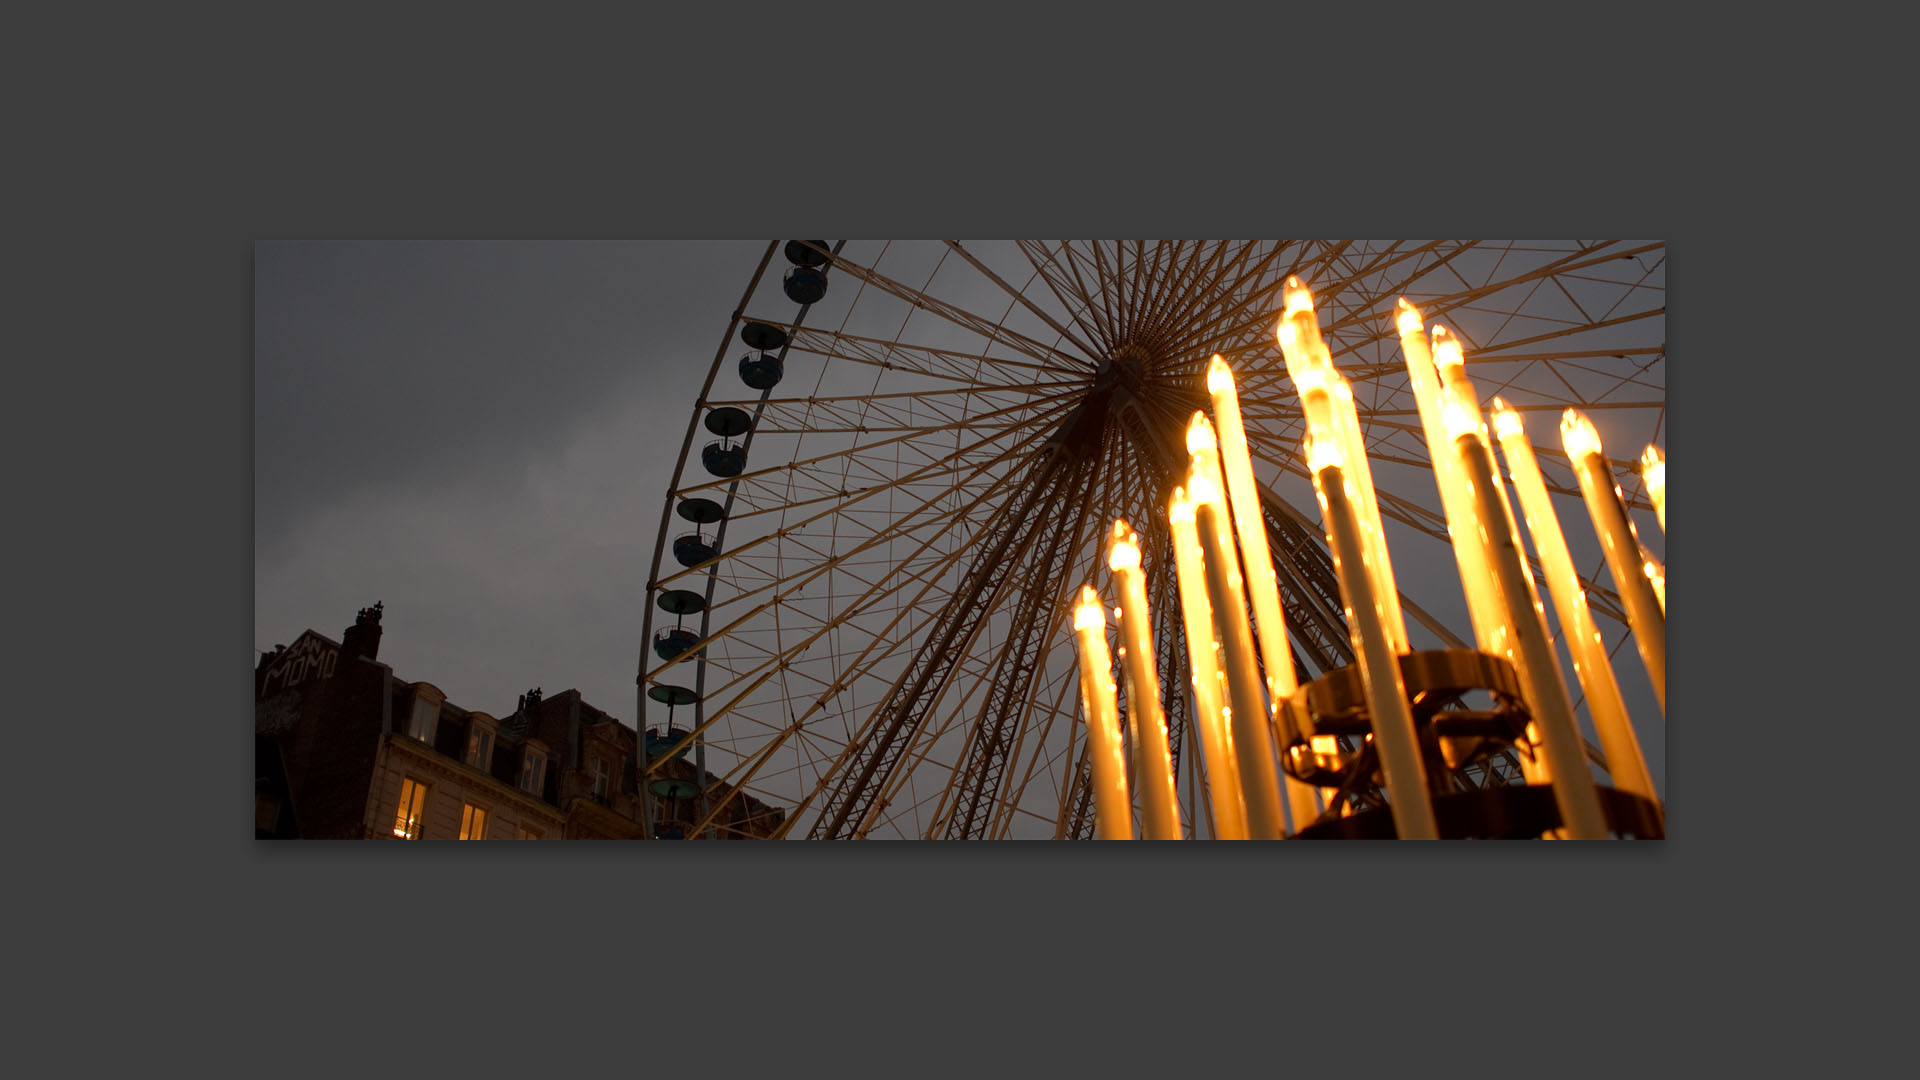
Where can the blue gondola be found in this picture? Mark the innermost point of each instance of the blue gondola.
(723, 460)
(673, 641)
(658, 744)
(804, 284)
(761, 371)
(693, 549)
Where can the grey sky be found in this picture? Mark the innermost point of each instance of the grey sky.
(480, 435)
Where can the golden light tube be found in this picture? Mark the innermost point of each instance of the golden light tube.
(1462, 525)
(1216, 740)
(1360, 475)
(1112, 809)
(1573, 789)
(1393, 735)
(1247, 709)
(1653, 469)
(1298, 330)
(1153, 759)
(1590, 664)
(1656, 574)
(1645, 615)
(1328, 404)
(1249, 525)
(1482, 585)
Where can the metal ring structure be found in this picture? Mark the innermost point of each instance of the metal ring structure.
(883, 642)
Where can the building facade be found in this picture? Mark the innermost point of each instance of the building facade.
(345, 749)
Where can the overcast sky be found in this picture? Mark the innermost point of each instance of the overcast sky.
(480, 435)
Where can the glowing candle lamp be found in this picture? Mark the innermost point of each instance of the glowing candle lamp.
(1327, 401)
(1645, 614)
(1580, 815)
(1113, 811)
(1590, 664)
(1159, 813)
(1397, 744)
(1653, 469)
(1216, 739)
(1247, 712)
(1354, 452)
(1249, 525)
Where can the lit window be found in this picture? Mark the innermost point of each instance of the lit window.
(413, 807)
(425, 715)
(527, 833)
(473, 823)
(600, 776)
(533, 772)
(480, 748)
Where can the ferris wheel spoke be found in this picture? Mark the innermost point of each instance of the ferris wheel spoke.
(1019, 297)
(1011, 673)
(917, 692)
(1043, 407)
(940, 403)
(1224, 324)
(854, 743)
(1204, 293)
(1440, 306)
(1045, 356)
(1095, 299)
(1050, 710)
(1184, 278)
(922, 519)
(1111, 286)
(933, 362)
(1344, 294)
(1079, 308)
(1039, 605)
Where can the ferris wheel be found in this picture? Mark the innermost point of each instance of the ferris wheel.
(906, 457)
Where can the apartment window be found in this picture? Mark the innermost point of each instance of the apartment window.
(425, 715)
(533, 772)
(473, 823)
(480, 748)
(413, 809)
(527, 833)
(599, 777)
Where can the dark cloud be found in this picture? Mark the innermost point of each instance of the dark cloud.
(410, 365)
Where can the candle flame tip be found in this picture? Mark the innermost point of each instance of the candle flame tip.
(1200, 435)
(1506, 420)
(1578, 435)
(1219, 375)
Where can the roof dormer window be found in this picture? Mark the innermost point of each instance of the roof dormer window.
(427, 700)
(480, 743)
(533, 770)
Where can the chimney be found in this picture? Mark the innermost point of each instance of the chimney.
(363, 637)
